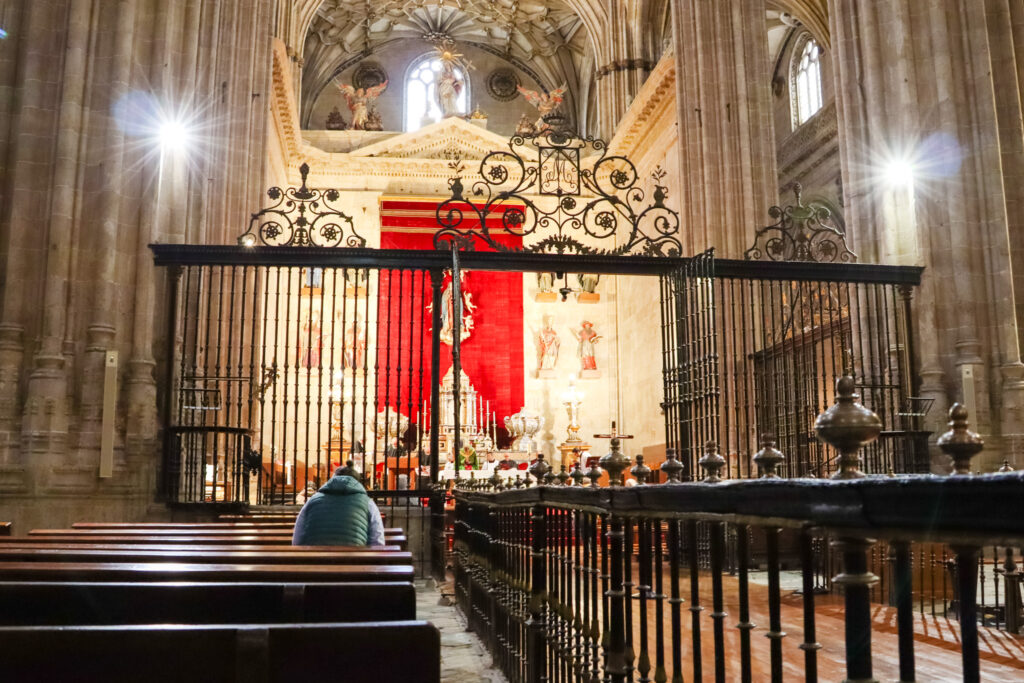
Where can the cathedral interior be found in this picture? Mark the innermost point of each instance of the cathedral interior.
(463, 245)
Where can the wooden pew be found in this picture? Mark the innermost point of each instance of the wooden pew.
(393, 537)
(187, 528)
(48, 542)
(46, 553)
(394, 652)
(54, 603)
(5, 528)
(228, 526)
(173, 571)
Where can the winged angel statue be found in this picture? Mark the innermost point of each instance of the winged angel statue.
(359, 102)
(545, 103)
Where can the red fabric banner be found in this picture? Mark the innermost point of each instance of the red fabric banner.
(492, 353)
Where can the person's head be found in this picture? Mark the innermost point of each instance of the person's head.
(310, 488)
(348, 470)
(451, 457)
(490, 456)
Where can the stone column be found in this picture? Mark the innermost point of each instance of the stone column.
(908, 89)
(727, 151)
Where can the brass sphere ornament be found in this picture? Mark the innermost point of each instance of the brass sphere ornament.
(671, 467)
(615, 463)
(847, 426)
(712, 463)
(960, 443)
(768, 458)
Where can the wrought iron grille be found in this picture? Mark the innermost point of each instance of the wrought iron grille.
(562, 194)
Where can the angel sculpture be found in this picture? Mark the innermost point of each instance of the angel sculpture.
(546, 103)
(359, 101)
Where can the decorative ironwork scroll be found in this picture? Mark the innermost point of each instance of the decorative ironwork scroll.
(567, 193)
(301, 217)
(803, 232)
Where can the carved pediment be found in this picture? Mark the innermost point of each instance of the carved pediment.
(446, 139)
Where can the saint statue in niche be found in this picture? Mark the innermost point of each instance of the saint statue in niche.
(588, 282)
(448, 310)
(355, 345)
(587, 338)
(310, 343)
(547, 349)
(448, 88)
(359, 101)
(546, 282)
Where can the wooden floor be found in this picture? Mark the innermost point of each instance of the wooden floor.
(937, 640)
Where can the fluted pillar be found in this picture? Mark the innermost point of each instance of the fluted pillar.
(937, 84)
(727, 150)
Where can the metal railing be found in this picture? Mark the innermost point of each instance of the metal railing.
(580, 583)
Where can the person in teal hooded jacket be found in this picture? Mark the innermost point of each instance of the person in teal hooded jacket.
(340, 513)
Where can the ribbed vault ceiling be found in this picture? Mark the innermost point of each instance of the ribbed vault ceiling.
(546, 38)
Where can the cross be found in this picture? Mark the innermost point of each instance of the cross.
(614, 434)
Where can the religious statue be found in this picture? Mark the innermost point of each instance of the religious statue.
(525, 127)
(588, 282)
(546, 103)
(587, 338)
(588, 286)
(547, 348)
(546, 282)
(355, 345)
(309, 343)
(335, 121)
(359, 101)
(373, 121)
(448, 310)
(448, 88)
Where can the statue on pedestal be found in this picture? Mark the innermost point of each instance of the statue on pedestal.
(547, 349)
(449, 86)
(586, 352)
(359, 101)
(546, 104)
(335, 121)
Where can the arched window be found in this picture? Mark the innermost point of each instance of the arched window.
(421, 106)
(806, 82)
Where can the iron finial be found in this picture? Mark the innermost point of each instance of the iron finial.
(960, 443)
(847, 426)
(577, 475)
(768, 458)
(563, 476)
(594, 473)
(615, 463)
(539, 468)
(712, 462)
(641, 471)
(671, 467)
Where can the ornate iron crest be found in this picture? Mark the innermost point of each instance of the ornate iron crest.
(801, 233)
(301, 217)
(570, 201)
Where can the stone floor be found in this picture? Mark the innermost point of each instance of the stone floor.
(463, 657)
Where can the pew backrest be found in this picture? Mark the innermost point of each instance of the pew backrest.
(34, 603)
(175, 571)
(144, 554)
(258, 653)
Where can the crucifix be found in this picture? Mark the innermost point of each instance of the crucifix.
(615, 463)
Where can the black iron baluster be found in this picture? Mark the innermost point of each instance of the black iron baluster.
(644, 594)
(718, 613)
(660, 675)
(595, 630)
(616, 665)
(536, 656)
(627, 597)
(675, 601)
(810, 646)
(744, 625)
(695, 606)
(775, 633)
(902, 587)
(856, 581)
(966, 562)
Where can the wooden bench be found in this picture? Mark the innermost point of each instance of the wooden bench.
(56, 603)
(5, 528)
(223, 572)
(175, 547)
(394, 652)
(188, 526)
(81, 553)
(170, 536)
